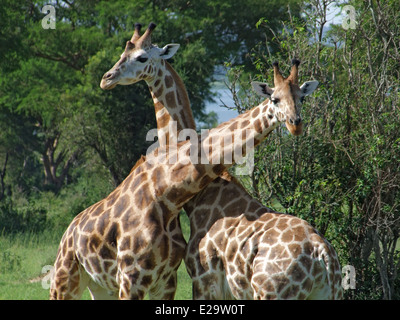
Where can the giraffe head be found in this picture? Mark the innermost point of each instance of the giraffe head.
(138, 61)
(287, 96)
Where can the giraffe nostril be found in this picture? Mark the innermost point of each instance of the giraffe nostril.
(108, 76)
(295, 122)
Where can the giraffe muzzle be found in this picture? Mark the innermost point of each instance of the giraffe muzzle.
(107, 82)
(294, 127)
(296, 121)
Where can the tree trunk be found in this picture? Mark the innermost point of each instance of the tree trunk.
(54, 170)
(102, 152)
(2, 176)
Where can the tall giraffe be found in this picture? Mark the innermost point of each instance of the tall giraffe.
(244, 250)
(130, 243)
(224, 197)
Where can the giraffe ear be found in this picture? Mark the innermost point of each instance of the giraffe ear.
(262, 89)
(308, 87)
(169, 50)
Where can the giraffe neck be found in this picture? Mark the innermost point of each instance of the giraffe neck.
(172, 108)
(171, 103)
(195, 163)
(240, 135)
(175, 182)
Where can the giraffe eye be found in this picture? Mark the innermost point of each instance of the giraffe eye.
(275, 100)
(142, 59)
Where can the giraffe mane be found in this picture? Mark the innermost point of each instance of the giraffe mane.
(138, 163)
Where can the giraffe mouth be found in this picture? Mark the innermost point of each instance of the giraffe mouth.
(108, 82)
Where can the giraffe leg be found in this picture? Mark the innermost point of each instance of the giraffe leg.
(99, 293)
(211, 286)
(263, 288)
(165, 290)
(69, 280)
(197, 290)
(129, 285)
(267, 280)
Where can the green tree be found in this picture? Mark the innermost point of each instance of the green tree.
(341, 175)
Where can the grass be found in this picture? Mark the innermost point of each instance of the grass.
(22, 257)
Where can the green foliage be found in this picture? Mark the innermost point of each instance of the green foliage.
(342, 174)
(9, 261)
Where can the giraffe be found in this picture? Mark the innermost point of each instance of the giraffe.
(244, 250)
(210, 206)
(130, 243)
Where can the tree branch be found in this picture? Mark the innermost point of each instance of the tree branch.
(58, 59)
